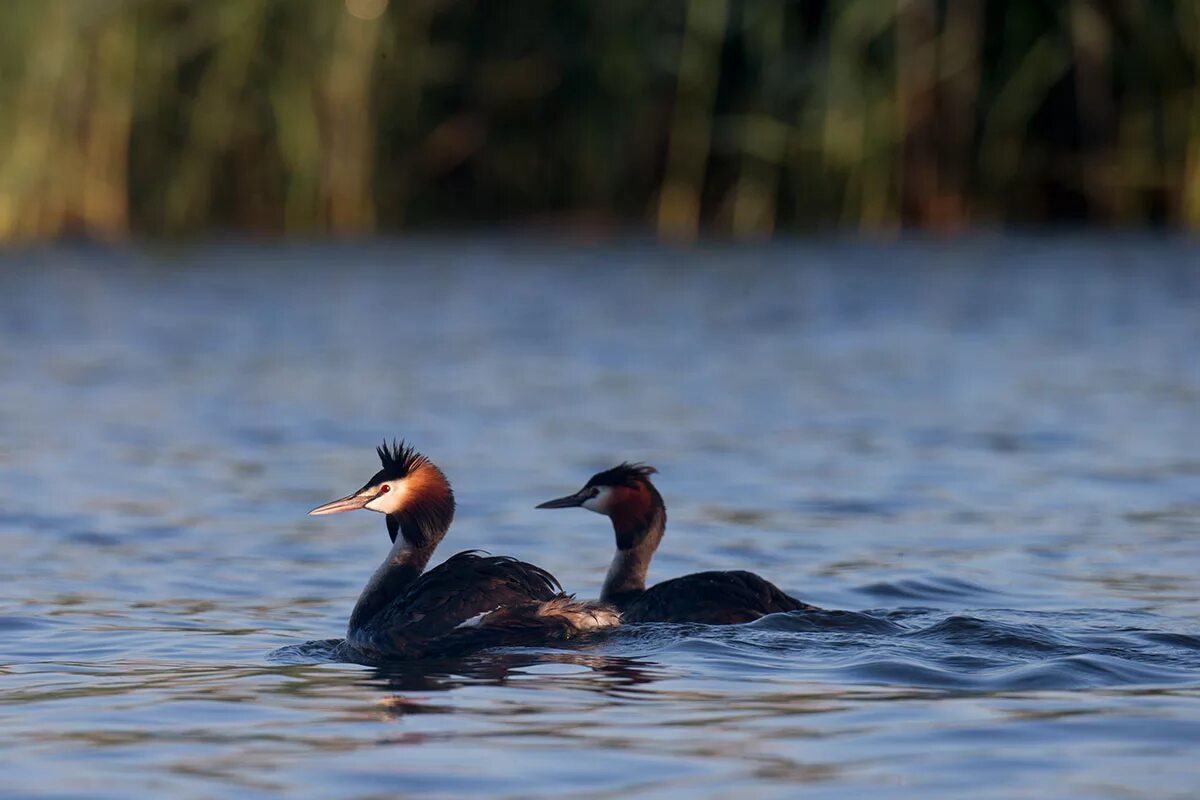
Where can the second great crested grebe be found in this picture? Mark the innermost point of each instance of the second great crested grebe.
(468, 602)
(627, 497)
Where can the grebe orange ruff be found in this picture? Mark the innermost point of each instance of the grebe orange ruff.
(468, 602)
(627, 497)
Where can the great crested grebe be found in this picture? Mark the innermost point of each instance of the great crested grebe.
(468, 602)
(627, 497)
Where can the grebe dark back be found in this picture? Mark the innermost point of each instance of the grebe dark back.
(627, 497)
(470, 601)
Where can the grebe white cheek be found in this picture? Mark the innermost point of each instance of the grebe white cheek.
(600, 501)
(389, 497)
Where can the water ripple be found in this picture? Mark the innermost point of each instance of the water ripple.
(928, 588)
(1009, 651)
(984, 448)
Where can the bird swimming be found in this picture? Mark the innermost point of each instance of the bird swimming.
(639, 517)
(468, 602)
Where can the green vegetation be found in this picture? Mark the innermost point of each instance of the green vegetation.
(154, 117)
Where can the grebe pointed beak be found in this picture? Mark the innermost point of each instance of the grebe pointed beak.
(347, 503)
(570, 501)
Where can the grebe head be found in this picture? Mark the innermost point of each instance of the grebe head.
(609, 491)
(409, 487)
(626, 496)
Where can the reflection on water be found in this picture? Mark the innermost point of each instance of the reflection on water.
(985, 453)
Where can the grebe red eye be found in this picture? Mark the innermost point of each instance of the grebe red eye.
(384, 489)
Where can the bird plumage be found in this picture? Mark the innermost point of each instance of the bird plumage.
(424, 621)
(715, 598)
(470, 601)
(627, 497)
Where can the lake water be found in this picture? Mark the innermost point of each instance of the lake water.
(985, 453)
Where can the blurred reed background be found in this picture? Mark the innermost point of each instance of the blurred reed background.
(687, 117)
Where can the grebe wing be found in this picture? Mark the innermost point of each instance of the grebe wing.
(715, 598)
(472, 574)
(463, 587)
(529, 624)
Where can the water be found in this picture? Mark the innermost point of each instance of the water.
(985, 453)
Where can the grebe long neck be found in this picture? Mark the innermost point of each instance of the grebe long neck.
(638, 522)
(403, 565)
(415, 529)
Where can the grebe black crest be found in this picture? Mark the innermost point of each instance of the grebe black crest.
(470, 601)
(639, 517)
(623, 474)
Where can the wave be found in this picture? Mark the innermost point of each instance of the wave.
(990, 650)
(928, 588)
